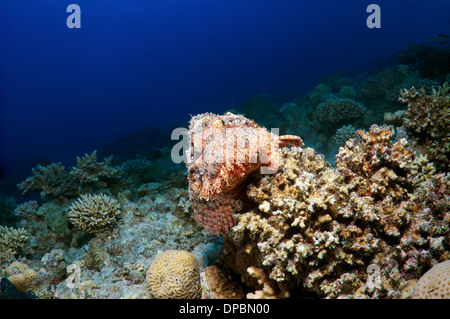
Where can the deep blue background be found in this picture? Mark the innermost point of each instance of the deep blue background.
(64, 92)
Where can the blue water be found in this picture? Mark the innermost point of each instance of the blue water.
(135, 63)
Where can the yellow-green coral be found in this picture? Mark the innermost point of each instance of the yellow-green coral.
(94, 213)
(174, 274)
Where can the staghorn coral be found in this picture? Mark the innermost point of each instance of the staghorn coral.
(315, 229)
(435, 283)
(427, 117)
(174, 274)
(337, 110)
(94, 213)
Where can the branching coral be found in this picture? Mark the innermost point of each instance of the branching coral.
(50, 180)
(94, 213)
(336, 110)
(428, 118)
(26, 209)
(11, 240)
(90, 172)
(89, 175)
(317, 229)
(343, 134)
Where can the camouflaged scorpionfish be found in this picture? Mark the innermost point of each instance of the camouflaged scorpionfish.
(224, 150)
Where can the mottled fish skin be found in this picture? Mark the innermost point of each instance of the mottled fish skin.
(224, 151)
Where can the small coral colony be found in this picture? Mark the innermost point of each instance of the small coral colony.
(353, 203)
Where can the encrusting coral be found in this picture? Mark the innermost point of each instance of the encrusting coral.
(435, 283)
(94, 213)
(174, 274)
(315, 229)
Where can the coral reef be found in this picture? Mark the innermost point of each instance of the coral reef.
(435, 283)
(427, 117)
(174, 274)
(316, 230)
(94, 213)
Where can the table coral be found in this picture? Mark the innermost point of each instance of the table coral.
(94, 213)
(174, 274)
(435, 283)
(315, 229)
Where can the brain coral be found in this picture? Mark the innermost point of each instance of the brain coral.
(314, 229)
(435, 284)
(94, 213)
(174, 274)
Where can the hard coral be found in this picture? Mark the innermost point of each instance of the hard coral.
(90, 172)
(336, 110)
(89, 175)
(94, 213)
(428, 119)
(11, 240)
(315, 229)
(435, 283)
(50, 180)
(174, 274)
